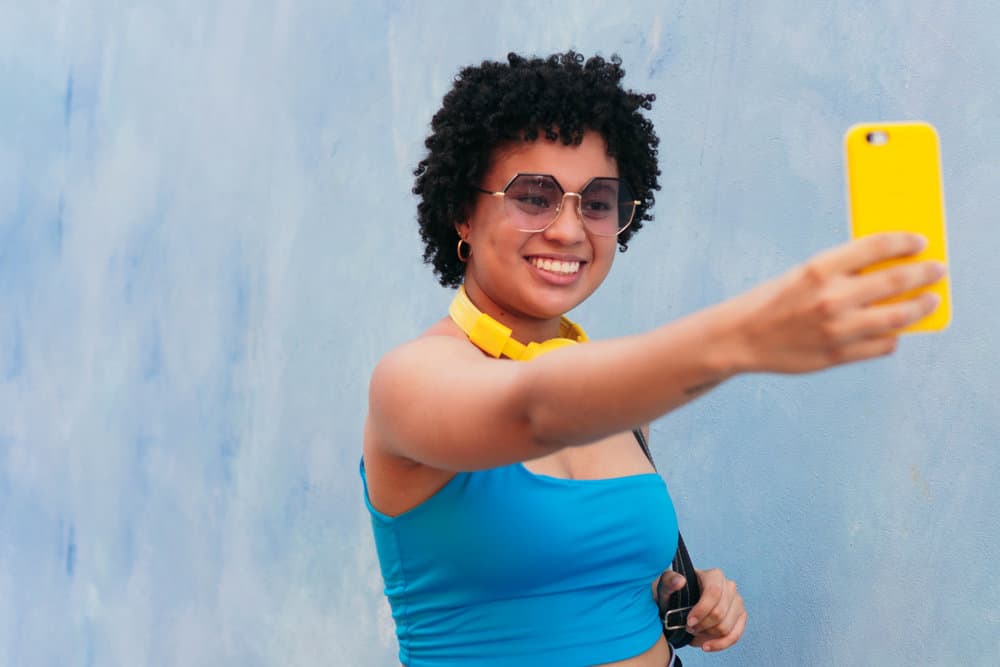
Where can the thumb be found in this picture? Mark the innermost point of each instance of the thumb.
(671, 582)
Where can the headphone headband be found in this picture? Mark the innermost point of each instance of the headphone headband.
(495, 339)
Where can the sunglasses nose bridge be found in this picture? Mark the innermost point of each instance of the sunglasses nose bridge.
(578, 208)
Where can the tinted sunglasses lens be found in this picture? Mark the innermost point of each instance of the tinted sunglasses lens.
(531, 202)
(626, 205)
(607, 205)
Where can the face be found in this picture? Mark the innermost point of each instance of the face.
(527, 279)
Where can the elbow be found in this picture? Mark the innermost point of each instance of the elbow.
(536, 413)
(541, 430)
(545, 423)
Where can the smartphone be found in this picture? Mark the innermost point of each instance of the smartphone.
(894, 184)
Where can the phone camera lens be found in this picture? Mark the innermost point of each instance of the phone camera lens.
(877, 138)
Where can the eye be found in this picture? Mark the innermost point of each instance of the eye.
(597, 205)
(533, 195)
(533, 200)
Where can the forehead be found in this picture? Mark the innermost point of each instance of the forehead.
(572, 165)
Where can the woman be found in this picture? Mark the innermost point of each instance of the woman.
(516, 519)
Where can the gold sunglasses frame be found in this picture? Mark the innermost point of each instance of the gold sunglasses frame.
(558, 211)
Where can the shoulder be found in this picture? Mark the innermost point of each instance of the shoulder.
(426, 367)
(400, 372)
(426, 396)
(444, 327)
(440, 343)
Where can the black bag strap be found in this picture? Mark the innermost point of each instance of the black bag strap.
(675, 607)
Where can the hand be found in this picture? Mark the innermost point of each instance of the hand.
(824, 313)
(718, 620)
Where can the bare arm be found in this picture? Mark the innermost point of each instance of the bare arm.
(440, 402)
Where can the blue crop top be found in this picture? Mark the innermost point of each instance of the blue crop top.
(506, 567)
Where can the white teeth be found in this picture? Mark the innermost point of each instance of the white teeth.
(555, 266)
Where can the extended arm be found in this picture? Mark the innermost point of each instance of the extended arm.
(428, 397)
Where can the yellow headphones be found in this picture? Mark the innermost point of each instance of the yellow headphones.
(494, 338)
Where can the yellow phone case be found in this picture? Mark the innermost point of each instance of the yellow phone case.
(894, 184)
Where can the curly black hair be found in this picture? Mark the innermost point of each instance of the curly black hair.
(561, 97)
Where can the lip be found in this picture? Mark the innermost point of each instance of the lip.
(551, 278)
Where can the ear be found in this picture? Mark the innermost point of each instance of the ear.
(462, 229)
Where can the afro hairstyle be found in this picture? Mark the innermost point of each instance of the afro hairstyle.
(492, 104)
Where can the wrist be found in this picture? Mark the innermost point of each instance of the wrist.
(727, 342)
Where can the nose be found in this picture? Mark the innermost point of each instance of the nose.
(568, 227)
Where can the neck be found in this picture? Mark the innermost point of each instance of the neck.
(523, 329)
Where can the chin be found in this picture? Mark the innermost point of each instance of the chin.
(556, 305)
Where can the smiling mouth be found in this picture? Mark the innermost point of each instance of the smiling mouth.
(563, 268)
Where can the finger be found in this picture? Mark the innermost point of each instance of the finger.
(886, 283)
(733, 613)
(862, 350)
(711, 593)
(876, 321)
(723, 643)
(671, 582)
(710, 638)
(720, 618)
(862, 253)
(667, 583)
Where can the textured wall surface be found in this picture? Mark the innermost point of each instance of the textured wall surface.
(207, 240)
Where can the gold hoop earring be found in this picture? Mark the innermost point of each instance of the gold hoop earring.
(468, 254)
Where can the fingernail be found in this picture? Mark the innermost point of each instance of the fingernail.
(939, 270)
(921, 241)
(932, 300)
(692, 621)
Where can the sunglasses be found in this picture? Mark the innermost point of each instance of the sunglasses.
(532, 202)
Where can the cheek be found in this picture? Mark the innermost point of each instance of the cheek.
(488, 232)
(604, 253)
(498, 255)
(505, 246)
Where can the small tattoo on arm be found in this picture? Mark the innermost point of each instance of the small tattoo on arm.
(701, 388)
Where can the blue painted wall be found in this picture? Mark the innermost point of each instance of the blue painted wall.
(207, 240)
